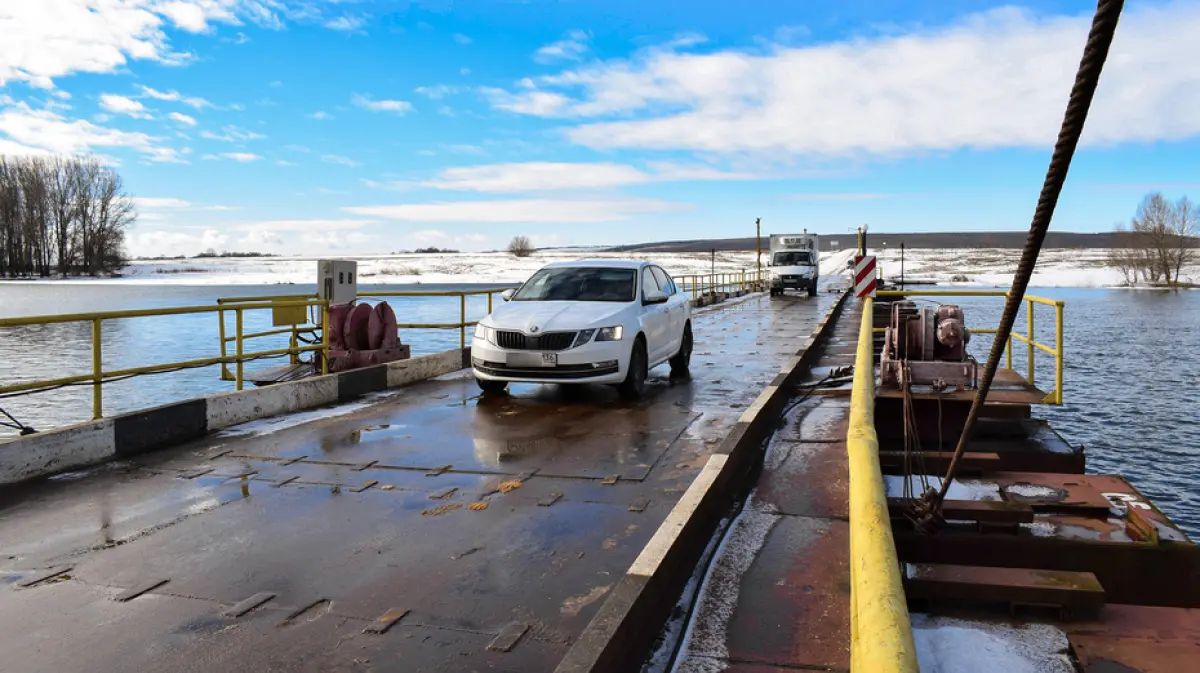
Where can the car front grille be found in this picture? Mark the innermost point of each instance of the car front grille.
(551, 341)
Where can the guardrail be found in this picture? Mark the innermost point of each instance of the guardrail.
(701, 285)
(1029, 338)
(881, 639)
(98, 377)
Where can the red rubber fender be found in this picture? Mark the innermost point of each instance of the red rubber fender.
(382, 331)
(337, 318)
(354, 330)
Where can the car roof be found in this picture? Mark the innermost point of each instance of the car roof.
(600, 263)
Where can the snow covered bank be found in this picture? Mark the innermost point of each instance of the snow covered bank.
(971, 267)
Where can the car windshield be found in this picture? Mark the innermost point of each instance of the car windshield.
(794, 258)
(579, 284)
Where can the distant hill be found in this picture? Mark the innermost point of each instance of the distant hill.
(994, 239)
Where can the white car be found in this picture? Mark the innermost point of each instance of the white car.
(585, 322)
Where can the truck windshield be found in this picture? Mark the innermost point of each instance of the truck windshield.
(579, 284)
(793, 258)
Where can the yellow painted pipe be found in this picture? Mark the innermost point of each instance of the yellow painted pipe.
(240, 362)
(881, 634)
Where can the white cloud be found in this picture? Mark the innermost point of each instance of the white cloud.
(48, 131)
(299, 226)
(320, 115)
(347, 24)
(570, 48)
(243, 157)
(536, 176)
(45, 39)
(996, 79)
(232, 134)
(297, 148)
(438, 91)
(464, 71)
(183, 119)
(276, 84)
(397, 106)
(160, 202)
(281, 162)
(123, 105)
(339, 160)
(521, 210)
(838, 196)
(191, 101)
(462, 39)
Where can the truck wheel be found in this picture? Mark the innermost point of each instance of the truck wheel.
(812, 288)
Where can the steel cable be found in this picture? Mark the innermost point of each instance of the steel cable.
(1095, 52)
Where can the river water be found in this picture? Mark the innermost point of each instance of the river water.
(1131, 364)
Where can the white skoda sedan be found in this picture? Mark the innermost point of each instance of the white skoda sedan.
(585, 322)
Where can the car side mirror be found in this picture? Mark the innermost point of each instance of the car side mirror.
(655, 297)
(507, 295)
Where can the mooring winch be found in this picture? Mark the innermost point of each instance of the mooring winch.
(929, 345)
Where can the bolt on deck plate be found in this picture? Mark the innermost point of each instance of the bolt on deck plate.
(611, 480)
(192, 474)
(293, 461)
(438, 471)
(365, 485)
(138, 590)
(509, 637)
(549, 500)
(249, 604)
(285, 481)
(385, 621)
(45, 575)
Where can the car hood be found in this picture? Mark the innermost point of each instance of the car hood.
(556, 316)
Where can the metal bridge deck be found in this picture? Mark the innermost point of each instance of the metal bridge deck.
(468, 534)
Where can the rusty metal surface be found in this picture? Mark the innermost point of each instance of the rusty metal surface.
(482, 515)
(1072, 593)
(777, 594)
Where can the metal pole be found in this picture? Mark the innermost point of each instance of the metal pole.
(1029, 309)
(490, 295)
(1058, 348)
(225, 376)
(239, 349)
(462, 321)
(97, 369)
(325, 339)
(902, 266)
(758, 244)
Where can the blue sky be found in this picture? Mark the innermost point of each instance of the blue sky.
(342, 127)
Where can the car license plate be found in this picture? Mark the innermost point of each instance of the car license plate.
(532, 360)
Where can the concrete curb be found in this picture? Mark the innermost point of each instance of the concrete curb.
(620, 636)
(170, 425)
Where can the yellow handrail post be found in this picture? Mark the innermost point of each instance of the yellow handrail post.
(490, 295)
(239, 349)
(1058, 349)
(881, 634)
(1029, 308)
(462, 321)
(97, 372)
(1008, 351)
(325, 339)
(295, 355)
(225, 375)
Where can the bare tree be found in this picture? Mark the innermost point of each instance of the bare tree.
(64, 214)
(1159, 243)
(520, 246)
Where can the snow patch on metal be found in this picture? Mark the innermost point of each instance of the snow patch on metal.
(704, 644)
(950, 645)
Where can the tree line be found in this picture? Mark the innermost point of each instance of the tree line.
(61, 216)
(1159, 243)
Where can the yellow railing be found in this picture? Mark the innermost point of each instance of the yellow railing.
(99, 376)
(881, 639)
(703, 285)
(1028, 338)
(462, 323)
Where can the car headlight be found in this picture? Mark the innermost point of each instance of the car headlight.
(610, 333)
(584, 337)
(485, 333)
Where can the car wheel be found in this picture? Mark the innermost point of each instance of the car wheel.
(635, 379)
(683, 359)
(491, 387)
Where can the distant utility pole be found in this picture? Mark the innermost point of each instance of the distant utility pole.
(758, 245)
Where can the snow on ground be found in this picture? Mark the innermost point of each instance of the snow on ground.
(983, 267)
(949, 645)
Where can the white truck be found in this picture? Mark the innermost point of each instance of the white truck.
(795, 263)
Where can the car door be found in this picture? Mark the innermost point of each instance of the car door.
(675, 311)
(656, 319)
